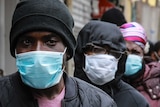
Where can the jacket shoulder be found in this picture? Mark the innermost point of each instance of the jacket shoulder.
(6, 89)
(5, 82)
(94, 95)
(130, 95)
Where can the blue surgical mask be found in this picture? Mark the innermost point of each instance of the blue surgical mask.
(40, 69)
(133, 64)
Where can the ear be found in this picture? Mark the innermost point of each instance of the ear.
(67, 55)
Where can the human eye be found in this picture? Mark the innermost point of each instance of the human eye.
(25, 42)
(99, 50)
(91, 48)
(51, 41)
(135, 52)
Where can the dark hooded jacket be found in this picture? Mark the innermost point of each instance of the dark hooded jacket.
(13, 93)
(104, 33)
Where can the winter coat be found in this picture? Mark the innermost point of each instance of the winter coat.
(13, 93)
(93, 32)
(149, 84)
(126, 96)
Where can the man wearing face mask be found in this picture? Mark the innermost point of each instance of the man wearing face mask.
(100, 60)
(41, 40)
(144, 77)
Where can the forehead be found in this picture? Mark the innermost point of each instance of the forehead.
(131, 45)
(96, 44)
(39, 34)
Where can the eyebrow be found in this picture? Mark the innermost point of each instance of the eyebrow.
(53, 35)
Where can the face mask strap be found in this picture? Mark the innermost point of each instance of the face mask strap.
(63, 68)
(65, 50)
(15, 52)
(119, 57)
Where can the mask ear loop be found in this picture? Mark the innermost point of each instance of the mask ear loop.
(63, 69)
(65, 50)
(84, 67)
(63, 54)
(122, 53)
(15, 52)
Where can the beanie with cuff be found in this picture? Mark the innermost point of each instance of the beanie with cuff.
(134, 32)
(42, 15)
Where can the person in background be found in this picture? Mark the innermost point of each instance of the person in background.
(156, 53)
(1, 73)
(144, 77)
(115, 16)
(42, 41)
(100, 60)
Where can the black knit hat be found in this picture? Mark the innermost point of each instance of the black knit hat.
(42, 15)
(114, 16)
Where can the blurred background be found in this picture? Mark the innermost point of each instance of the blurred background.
(145, 12)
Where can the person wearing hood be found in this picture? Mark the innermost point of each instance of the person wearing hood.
(144, 77)
(42, 41)
(100, 60)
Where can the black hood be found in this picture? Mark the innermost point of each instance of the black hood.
(99, 33)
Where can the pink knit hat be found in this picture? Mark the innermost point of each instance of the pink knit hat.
(134, 32)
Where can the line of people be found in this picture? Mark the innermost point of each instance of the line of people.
(100, 59)
(142, 65)
(42, 41)
(108, 60)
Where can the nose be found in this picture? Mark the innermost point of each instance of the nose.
(39, 46)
